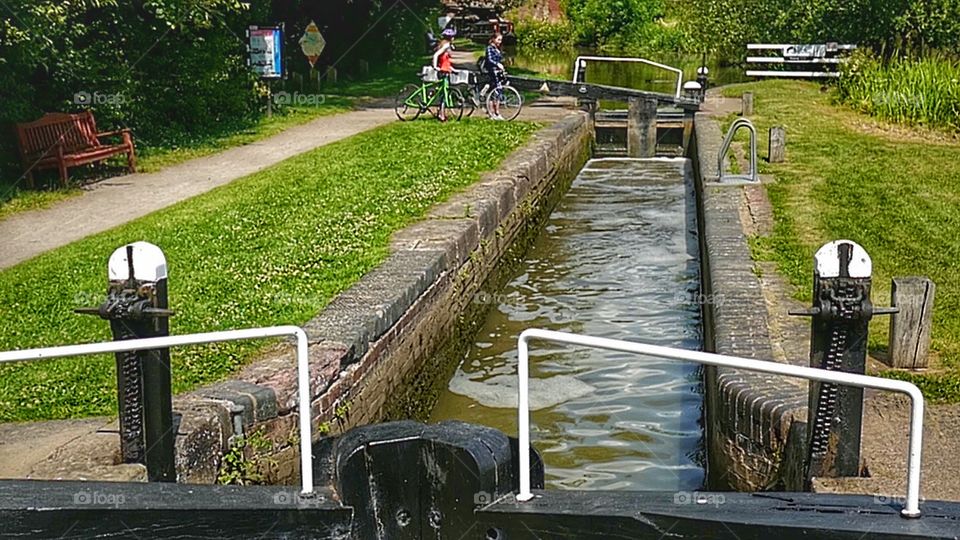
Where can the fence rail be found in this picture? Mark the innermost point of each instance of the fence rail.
(912, 507)
(813, 55)
(303, 369)
(580, 63)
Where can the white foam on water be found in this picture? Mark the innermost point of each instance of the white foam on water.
(500, 392)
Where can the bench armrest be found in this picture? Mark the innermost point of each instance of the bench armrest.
(113, 133)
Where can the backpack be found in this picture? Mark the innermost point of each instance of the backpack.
(482, 63)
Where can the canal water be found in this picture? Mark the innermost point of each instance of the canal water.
(619, 259)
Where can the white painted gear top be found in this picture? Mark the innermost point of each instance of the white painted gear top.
(149, 263)
(828, 260)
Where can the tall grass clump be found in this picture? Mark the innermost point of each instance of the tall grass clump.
(916, 91)
(535, 34)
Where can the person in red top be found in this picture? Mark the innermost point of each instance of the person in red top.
(443, 63)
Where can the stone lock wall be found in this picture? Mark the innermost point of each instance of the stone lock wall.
(755, 423)
(382, 349)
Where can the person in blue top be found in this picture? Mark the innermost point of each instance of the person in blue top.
(494, 69)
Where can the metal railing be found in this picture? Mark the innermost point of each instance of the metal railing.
(753, 176)
(583, 59)
(912, 507)
(303, 371)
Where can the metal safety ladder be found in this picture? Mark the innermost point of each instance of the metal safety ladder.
(753, 175)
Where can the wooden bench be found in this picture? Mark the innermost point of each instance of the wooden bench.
(61, 141)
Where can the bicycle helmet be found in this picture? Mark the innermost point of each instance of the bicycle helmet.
(449, 33)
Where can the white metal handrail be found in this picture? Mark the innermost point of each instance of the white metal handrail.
(303, 369)
(679, 72)
(912, 507)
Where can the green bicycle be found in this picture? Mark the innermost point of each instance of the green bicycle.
(435, 91)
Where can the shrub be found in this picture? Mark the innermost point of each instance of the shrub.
(726, 26)
(614, 24)
(167, 69)
(532, 33)
(924, 91)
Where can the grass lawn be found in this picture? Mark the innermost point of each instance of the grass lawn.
(23, 201)
(893, 190)
(271, 248)
(153, 158)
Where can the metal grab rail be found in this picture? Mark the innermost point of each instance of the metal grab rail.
(912, 507)
(303, 371)
(753, 175)
(679, 72)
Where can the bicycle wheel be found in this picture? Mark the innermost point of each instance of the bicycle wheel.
(458, 104)
(472, 100)
(509, 100)
(409, 103)
(433, 101)
(454, 106)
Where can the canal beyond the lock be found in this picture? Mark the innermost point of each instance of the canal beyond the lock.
(618, 258)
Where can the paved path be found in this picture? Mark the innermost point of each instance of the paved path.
(116, 201)
(24, 444)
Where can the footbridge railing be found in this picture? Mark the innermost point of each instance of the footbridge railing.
(303, 372)
(596, 92)
(580, 64)
(910, 510)
(580, 89)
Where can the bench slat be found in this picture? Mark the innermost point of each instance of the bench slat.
(74, 136)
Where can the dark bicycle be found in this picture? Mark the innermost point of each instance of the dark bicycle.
(483, 94)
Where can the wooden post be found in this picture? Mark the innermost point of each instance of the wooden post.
(297, 82)
(688, 117)
(747, 103)
(269, 100)
(363, 68)
(642, 128)
(777, 151)
(332, 75)
(910, 329)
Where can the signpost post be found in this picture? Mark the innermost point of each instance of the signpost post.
(266, 55)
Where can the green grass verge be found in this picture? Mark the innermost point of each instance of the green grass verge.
(382, 82)
(156, 158)
(24, 200)
(14, 200)
(894, 191)
(270, 248)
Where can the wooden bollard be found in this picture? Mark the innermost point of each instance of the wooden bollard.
(777, 151)
(910, 328)
(642, 128)
(746, 102)
(331, 75)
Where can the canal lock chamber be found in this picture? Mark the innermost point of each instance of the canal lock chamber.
(618, 257)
